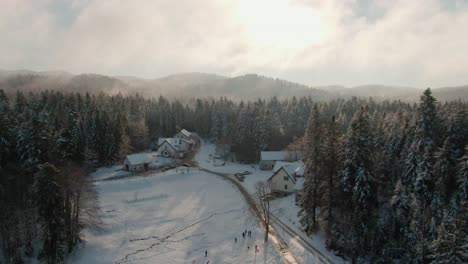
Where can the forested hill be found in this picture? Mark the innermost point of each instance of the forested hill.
(246, 87)
(188, 85)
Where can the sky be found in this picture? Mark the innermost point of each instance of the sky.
(422, 43)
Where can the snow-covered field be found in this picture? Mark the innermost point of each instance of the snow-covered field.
(283, 208)
(172, 217)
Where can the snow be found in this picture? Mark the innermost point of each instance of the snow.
(141, 158)
(185, 133)
(172, 217)
(285, 209)
(116, 171)
(205, 159)
(292, 168)
(279, 165)
(109, 172)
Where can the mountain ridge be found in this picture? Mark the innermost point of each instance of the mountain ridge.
(198, 84)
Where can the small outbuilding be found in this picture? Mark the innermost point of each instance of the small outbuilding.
(138, 162)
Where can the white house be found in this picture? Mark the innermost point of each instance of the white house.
(173, 147)
(185, 134)
(138, 162)
(269, 158)
(166, 148)
(284, 176)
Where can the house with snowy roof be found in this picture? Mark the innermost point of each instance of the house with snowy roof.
(269, 158)
(173, 147)
(138, 162)
(285, 177)
(185, 134)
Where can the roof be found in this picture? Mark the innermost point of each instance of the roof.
(141, 158)
(290, 168)
(174, 142)
(287, 173)
(300, 168)
(185, 133)
(280, 155)
(280, 164)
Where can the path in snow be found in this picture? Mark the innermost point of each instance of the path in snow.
(173, 218)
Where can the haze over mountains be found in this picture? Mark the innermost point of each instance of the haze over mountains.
(188, 85)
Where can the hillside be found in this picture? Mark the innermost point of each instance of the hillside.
(189, 85)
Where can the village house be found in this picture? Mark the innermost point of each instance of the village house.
(173, 147)
(138, 162)
(269, 158)
(285, 176)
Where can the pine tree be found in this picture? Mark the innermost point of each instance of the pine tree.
(5, 128)
(124, 142)
(451, 244)
(422, 153)
(462, 176)
(33, 141)
(357, 183)
(49, 200)
(331, 168)
(313, 141)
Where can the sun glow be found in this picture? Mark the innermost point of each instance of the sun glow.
(280, 24)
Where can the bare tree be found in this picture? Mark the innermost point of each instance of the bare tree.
(263, 195)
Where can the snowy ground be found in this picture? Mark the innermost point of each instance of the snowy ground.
(172, 217)
(284, 209)
(204, 160)
(116, 171)
(109, 172)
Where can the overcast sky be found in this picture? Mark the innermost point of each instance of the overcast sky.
(317, 42)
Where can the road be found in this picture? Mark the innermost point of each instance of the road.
(298, 237)
(288, 256)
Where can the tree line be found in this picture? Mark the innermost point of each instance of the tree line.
(50, 141)
(392, 184)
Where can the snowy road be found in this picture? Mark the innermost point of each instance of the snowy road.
(173, 218)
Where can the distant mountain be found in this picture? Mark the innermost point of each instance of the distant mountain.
(190, 85)
(442, 94)
(373, 90)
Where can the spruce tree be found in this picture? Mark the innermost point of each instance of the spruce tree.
(357, 183)
(313, 141)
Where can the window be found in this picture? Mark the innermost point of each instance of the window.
(286, 187)
(286, 178)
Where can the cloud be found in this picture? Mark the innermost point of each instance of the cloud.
(351, 42)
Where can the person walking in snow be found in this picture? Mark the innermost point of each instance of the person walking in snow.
(206, 253)
(235, 240)
(243, 235)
